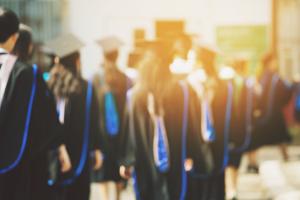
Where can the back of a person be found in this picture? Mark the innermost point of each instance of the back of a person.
(151, 184)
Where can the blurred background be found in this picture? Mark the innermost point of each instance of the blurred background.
(249, 27)
(246, 28)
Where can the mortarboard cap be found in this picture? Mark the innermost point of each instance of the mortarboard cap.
(25, 27)
(110, 44)
(64, 45)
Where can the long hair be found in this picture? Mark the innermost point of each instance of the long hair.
(24, 43)
(155, 75)
(70, 62)
(264, 64)
(62, 82)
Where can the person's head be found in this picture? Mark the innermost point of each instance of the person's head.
(24, 46)
(9, 27)
(240, 66)
(154, 68)
(182, 46)
(112, 56)
(206, 55)
(110, 46)
(66, 50)
(72, 63)
(269, 62)
(109, 65)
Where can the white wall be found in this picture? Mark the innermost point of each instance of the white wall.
(91, 19)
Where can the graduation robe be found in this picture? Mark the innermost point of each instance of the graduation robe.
(110, 169)
(214, 185)
(74, 131)
(28, 181)
(138, 146)
(270, 126)
(242, 120)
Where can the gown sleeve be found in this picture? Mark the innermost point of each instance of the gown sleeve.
(96, 135)
(127, 145)
(197, 149)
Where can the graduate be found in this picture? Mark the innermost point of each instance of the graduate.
(242, 117)
(111, 88)
(29, 125)
(274, 94)
(79, 112)
(161, 130)
(185, 66)
(214, 102)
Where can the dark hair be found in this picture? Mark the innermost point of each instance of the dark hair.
(23, 44)
(70, 62)
(112, 56)
(9, 24)
(155, 75)
(267, 59)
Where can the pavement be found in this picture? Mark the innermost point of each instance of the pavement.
(277, 180)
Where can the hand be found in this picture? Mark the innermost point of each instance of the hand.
(125, 172)
(188, 164)
(98, 159)
(64, 159)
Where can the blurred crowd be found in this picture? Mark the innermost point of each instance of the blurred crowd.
(178, 126)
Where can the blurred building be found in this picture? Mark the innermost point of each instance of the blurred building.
(287, 36)
(46, 17)
(234, 25)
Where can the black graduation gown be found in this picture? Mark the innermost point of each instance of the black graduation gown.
(138, 148)
(28, 181)
(296, 106)
(74, 126)
(138, 135)
(270, 127)
(242, 121)
(214, 185)
(195, 147)
(110, 169)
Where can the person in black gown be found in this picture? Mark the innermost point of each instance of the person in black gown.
(212, 90)
(79, 113)
(242, 117)
(270, 127)
(28, 121)
(111, 88)
(159, 101)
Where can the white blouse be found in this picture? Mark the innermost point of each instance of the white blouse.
(7, 63)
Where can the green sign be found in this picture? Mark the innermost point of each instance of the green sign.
(247, 41)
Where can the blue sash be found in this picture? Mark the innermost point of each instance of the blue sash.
(297, 106)
(248, 119)
(210, 131)
(85, 145)
(229, 103)
(297, 102)
(270, 100)
(27, 125)
(160, 140)
(135, 186)
(161, 152)
(184, 134)
(111, 115)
